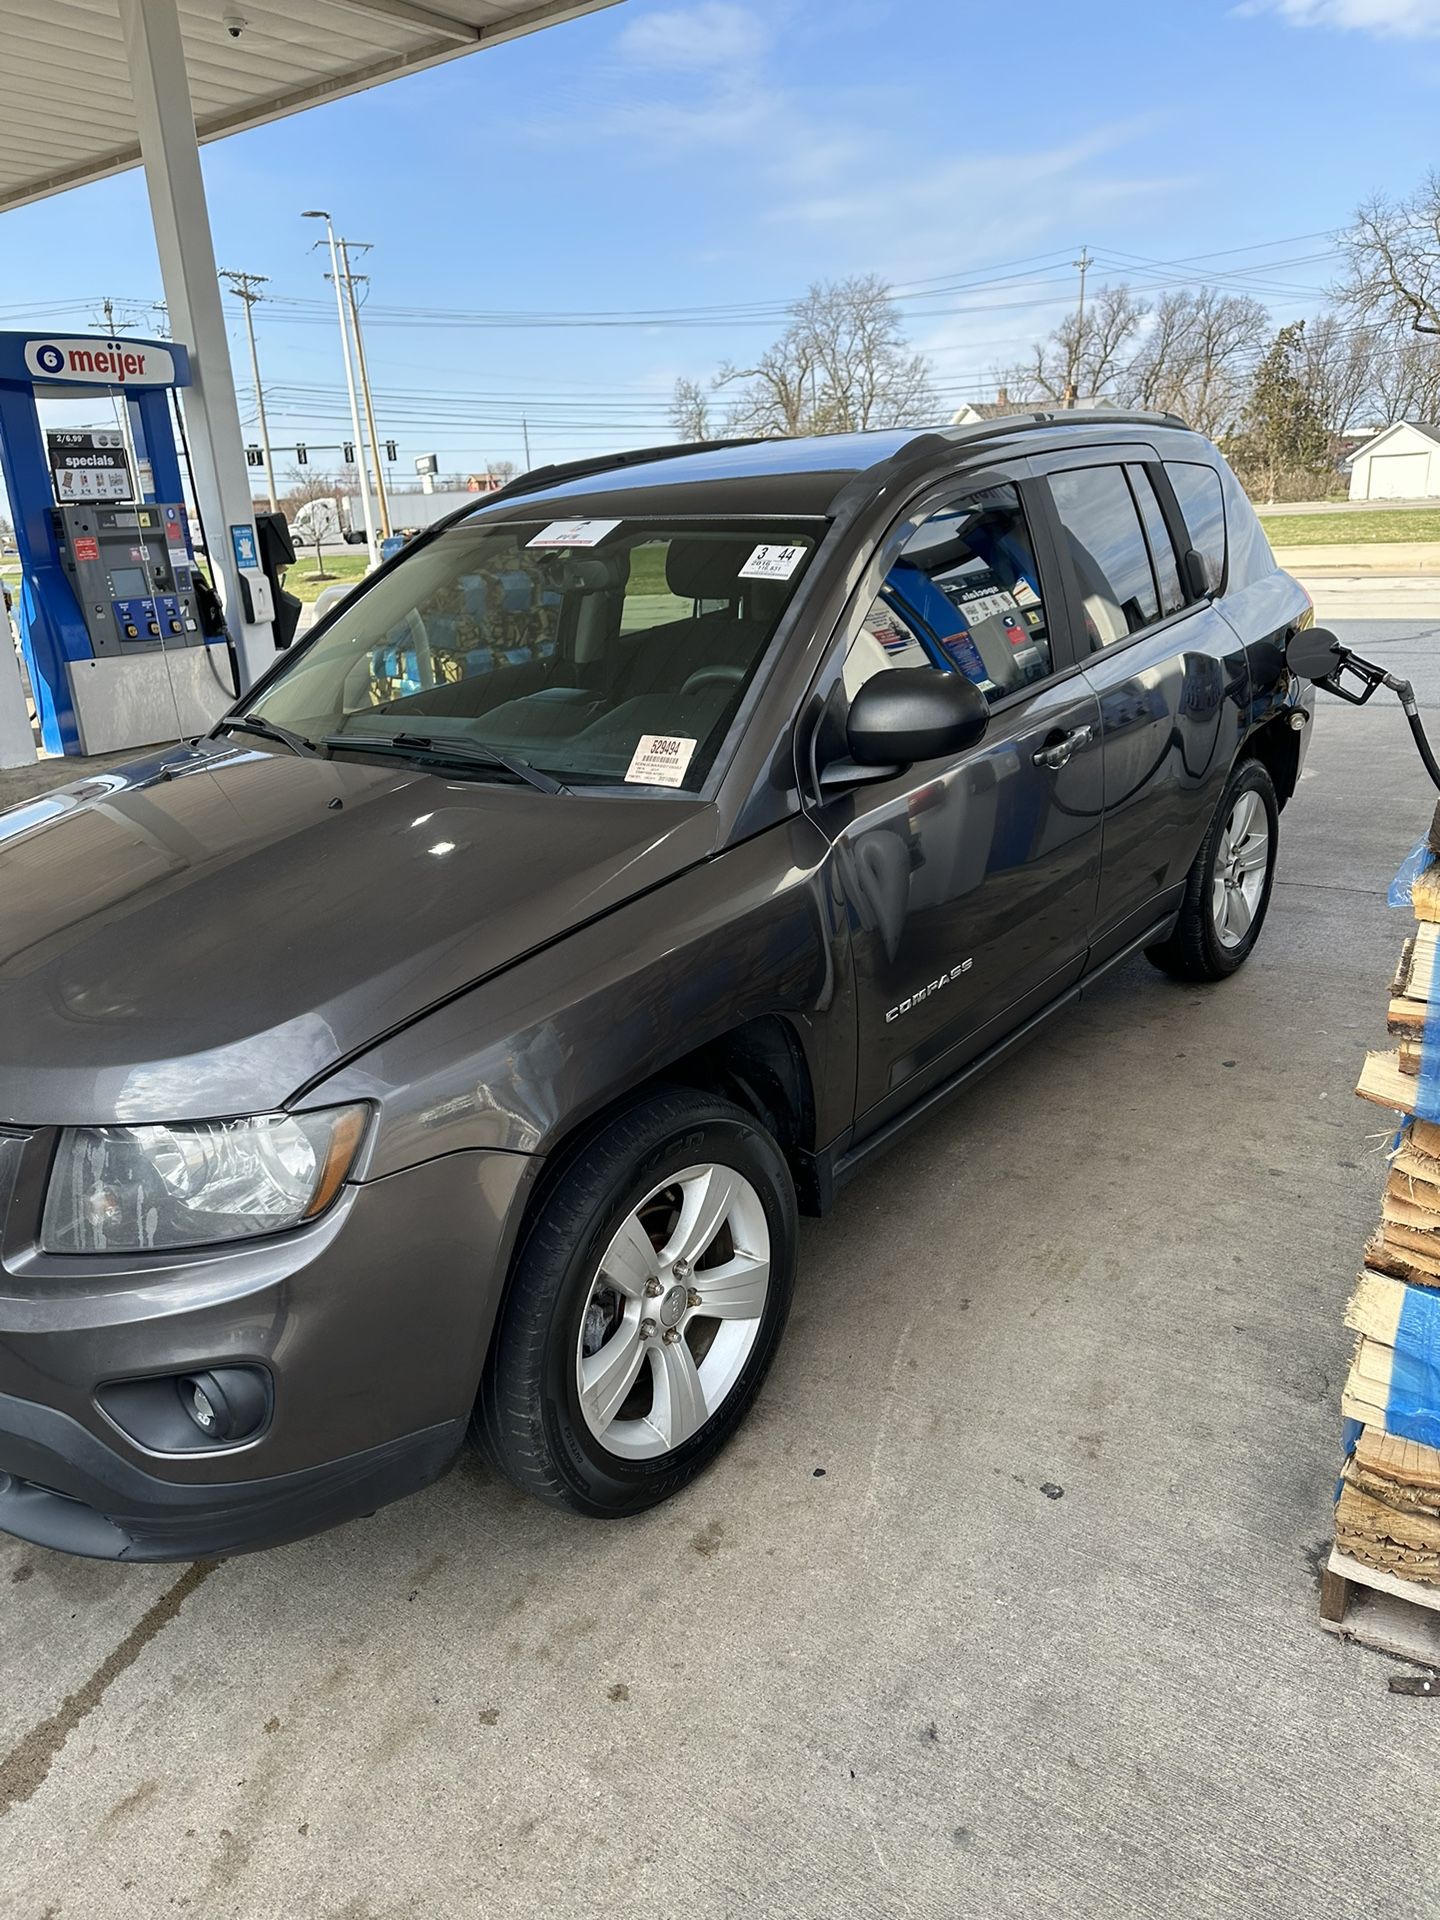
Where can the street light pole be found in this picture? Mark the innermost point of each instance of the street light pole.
(364, 371)
(364, 478)
(246, 288)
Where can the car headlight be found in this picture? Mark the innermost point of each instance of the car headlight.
(128, 1189)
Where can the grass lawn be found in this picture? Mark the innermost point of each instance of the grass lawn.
(305, 584)
(1343, 527)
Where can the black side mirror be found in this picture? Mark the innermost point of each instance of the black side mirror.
(1313, 654)
(914, 713)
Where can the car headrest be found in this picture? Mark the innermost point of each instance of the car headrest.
(706, 567)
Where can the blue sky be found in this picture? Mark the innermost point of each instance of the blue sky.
(718, 153)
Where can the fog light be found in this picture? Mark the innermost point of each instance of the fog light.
(226, 1403)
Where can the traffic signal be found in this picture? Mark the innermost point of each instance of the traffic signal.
(347, 452)
(302, 458)
(389, 449)
(254, 457)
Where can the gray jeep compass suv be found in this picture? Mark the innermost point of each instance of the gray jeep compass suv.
(447, 1042)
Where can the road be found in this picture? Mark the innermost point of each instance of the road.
(1003, 1603)
(1340, 506)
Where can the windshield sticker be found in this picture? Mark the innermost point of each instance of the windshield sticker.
(660, 760)
(772, 563)
(573, 533)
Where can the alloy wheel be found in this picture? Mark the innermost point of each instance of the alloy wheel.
(1241, 862)
(673, 1311)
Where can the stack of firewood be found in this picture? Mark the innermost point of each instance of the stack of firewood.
(1387, 1516)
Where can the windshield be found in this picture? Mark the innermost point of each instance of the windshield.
(595, 651)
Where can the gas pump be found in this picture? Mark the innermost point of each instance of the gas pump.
(108, 615)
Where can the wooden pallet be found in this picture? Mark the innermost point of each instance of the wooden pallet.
(1375, 1609)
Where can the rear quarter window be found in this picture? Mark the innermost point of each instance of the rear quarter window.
(1202, 504)
(1250, 556)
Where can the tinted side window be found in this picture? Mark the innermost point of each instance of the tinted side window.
(885, 640)
(1107, 547)
(968, 577)
(1202, 503)
(1162, 547)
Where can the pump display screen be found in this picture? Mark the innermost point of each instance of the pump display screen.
(129, 583)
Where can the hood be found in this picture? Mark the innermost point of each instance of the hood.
(200, 937)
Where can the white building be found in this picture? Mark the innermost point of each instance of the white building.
(1401, 463)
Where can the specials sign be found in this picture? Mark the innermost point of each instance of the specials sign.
(100, 363)
(89, 466)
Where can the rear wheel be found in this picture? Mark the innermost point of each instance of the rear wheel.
(1228, 888)
(645, 1309)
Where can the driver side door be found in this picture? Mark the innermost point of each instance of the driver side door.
(971, 883)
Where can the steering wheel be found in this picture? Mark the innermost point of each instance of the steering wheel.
(713, 677)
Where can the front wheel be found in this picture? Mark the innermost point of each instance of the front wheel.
(1228, 888)
(645, 1309)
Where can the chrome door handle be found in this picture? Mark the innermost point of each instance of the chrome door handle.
(1057, 756)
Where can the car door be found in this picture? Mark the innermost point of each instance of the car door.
(969, 885)
(1169, 673)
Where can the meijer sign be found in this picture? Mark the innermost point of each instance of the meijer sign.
(100, 363)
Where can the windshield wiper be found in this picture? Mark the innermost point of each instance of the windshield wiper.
(266, 729)
(445, 747)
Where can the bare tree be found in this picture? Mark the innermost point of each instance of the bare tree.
(501, 471)
(1085, 356)
(304, 484)
(1405, 379)
(855, 342)
(841, 366)
(780, 393)
(1393, 258)
(1196, 356)
(690, 410)
(1340, 364)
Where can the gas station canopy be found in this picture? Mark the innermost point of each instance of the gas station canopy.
(67, 111)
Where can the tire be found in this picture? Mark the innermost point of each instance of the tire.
(1224, 907)
(591, 1301)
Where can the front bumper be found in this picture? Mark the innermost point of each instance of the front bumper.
(372, 1326)
(113, 1510)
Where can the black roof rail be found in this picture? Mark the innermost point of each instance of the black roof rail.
(1059, 416)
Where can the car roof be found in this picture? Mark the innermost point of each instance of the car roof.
(794, 478)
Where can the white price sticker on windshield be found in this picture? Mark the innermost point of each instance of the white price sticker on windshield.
(573, 533)
(660, 760)
(772, 563)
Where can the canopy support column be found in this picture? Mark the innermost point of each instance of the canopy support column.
(171, 154)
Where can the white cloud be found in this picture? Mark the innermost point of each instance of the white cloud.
(716, 34)
(1046, 185)
(1391, 19)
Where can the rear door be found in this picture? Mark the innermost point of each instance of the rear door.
(1169, 673)
(970, 884)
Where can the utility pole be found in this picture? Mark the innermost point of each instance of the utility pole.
(1084, 263)
(121, 404)
(363, 246)
(525, 429)
(360, 463)
(246, 288)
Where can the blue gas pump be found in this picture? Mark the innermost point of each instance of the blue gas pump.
(109, 620)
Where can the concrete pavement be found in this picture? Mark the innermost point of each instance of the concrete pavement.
(1389, 557)
(1003, 1603)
